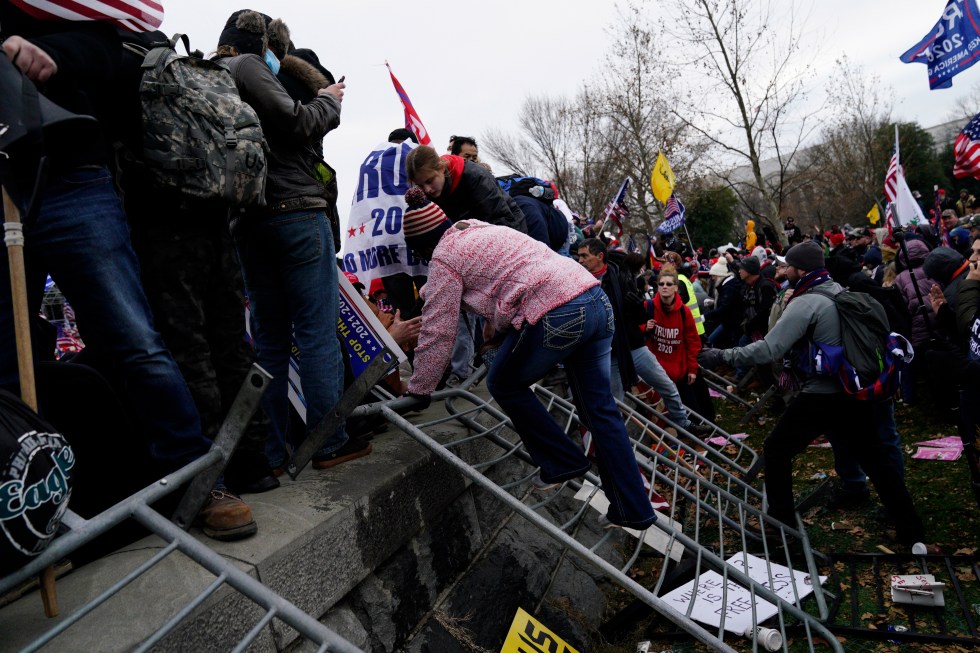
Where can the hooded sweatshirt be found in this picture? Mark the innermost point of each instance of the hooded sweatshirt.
(918, 251)
(674, 340)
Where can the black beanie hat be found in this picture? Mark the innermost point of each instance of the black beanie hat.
(751, 264)
(806, 256)
(246, 30)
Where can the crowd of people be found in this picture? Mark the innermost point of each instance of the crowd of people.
(159, 283)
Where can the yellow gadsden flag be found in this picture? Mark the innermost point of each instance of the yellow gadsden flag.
(662, 179)
(873, 214)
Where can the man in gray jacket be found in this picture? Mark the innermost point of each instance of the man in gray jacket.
(822, 407)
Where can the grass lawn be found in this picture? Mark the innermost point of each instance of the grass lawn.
(942, 495)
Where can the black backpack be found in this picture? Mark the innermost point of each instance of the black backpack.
(541, 189)
(199, 137)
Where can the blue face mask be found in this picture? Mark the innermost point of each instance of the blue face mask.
(272, 62)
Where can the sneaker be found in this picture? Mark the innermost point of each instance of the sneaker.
(542, 485)
(606, 524)
(699, 430)
(352, 449)
(848, 499)
(226, 517)
(453, 381)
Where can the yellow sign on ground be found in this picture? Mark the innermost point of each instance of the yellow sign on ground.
(528, 635)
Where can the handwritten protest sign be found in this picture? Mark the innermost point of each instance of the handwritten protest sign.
(711, 599)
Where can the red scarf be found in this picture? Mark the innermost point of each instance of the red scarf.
(454, 165)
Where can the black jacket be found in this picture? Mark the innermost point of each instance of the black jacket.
(628, 311)
(728, 306)
(757, 301)
(544, 223)
(292, 130)
(88, 56)
(478, 196)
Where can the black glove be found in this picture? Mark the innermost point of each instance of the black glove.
(709, 359)
(421, 402)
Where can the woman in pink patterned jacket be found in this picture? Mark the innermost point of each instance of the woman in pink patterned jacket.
(553, 311)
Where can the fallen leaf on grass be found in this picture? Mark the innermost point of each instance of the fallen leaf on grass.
(965, 551)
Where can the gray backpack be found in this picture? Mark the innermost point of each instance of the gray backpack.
(199, 137)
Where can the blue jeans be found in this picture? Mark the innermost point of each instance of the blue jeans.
(852, 477)
(578, 334)
(291, 279)
(465, 347)
(81, 238)
(651, 372)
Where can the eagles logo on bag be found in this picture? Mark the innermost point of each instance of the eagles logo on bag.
(35, 482)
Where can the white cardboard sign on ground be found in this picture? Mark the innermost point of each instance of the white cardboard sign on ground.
(737, 603)
(653, 537)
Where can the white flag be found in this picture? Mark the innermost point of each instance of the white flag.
(907, 210)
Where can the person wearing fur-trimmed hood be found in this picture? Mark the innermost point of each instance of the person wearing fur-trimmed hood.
(286, 248)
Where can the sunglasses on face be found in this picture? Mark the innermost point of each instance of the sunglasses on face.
(665, 283)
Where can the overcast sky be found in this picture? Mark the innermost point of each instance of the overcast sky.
(468, 65)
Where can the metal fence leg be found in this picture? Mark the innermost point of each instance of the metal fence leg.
(374, 372)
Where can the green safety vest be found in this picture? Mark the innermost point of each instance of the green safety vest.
(692, 303)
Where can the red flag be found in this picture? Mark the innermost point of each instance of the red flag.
(133, 15)
(412, 120)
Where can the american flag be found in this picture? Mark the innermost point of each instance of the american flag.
(616, 209)
(673, 215)
(967, 150)
(412, 121)
(891, 186)
(132, 15)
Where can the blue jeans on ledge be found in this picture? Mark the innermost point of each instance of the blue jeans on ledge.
(291, 279)
(81, 238)
(578, 334)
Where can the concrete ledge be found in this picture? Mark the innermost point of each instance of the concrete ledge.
(319, 537)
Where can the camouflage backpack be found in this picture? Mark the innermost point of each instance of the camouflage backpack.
(199, 137)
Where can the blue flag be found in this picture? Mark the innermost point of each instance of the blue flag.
(673, 215)
(952, 46)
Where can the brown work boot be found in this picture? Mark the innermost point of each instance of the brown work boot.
(226, 517)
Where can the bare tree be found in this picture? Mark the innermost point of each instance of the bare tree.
(640, 95)
(849, 165)
(748, 74)
(560, 140)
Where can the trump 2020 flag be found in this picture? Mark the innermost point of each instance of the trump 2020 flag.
(374, 241)
(967, 150)
(412, 121)
(673, 215)
(132, 15)
(951, 46)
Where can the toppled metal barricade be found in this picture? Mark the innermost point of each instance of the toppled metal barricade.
(714, 523)
(199, 475)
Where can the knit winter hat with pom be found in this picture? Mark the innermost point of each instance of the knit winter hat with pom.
(424, 222)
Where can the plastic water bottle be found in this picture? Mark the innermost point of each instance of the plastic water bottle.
(769, 638)
(536, 191)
